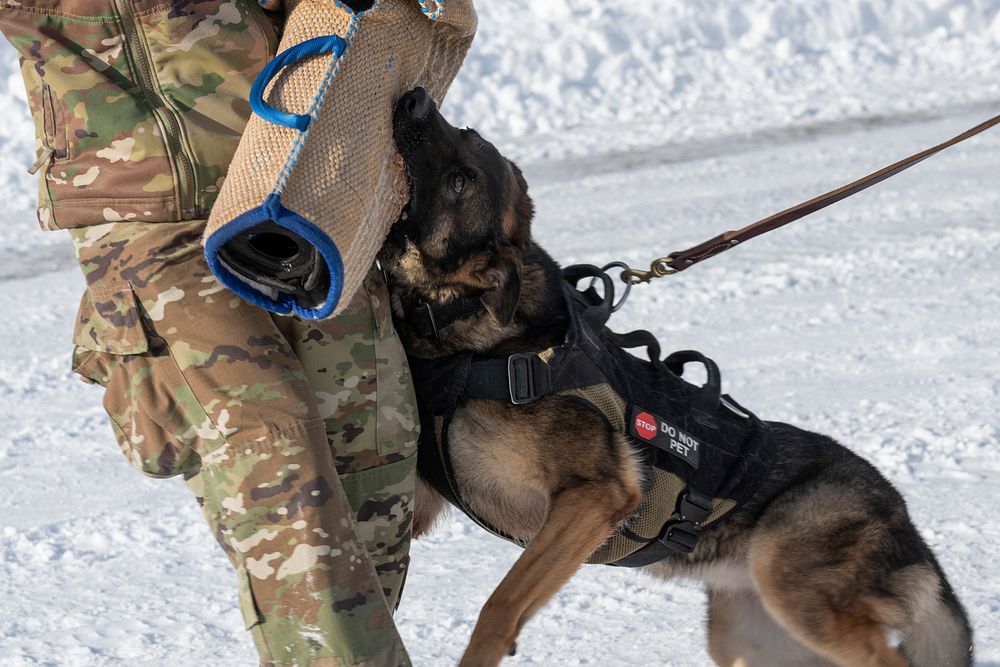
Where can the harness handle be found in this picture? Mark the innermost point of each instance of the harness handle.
(598, 308)
(709, 396)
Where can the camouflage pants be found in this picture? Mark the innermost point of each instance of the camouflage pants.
(298, 438)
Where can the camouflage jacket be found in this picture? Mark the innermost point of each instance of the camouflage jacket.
(138, 104)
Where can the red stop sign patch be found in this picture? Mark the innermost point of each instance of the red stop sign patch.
(645, 425)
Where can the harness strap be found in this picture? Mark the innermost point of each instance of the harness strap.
(695, 510)
(435, 463)
(520, 378)
(428, 320)
(436, 467)
(528, 376)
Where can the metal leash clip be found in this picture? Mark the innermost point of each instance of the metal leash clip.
(628, 284)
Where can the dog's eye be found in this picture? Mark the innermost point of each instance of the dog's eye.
(458, 183)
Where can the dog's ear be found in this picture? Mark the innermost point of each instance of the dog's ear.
(504, 291)
(523, 209)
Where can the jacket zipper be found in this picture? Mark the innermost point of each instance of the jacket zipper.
(52, 130)
(45, 155)
(167, 118)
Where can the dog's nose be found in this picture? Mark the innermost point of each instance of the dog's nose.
(417, 104)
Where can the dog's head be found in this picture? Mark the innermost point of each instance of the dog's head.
(463, 234)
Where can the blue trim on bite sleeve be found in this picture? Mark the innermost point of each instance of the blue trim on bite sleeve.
(273, 210)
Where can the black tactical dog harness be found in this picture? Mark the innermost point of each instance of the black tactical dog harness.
(703, 454)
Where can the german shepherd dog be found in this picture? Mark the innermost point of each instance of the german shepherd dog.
(822, 567)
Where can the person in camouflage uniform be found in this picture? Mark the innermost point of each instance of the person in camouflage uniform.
(298, 438)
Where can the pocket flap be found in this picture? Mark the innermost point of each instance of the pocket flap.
(248, 605)
(109, 321)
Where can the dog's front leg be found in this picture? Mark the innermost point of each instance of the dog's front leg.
(580, 520)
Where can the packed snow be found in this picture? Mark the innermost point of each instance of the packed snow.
(642, 128)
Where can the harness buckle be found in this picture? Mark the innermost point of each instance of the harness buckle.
(681, 534)
(694, 506)
(680, 537)
(521, 378)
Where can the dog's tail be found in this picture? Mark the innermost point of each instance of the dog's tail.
(940, 635)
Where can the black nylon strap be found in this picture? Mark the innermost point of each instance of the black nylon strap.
(427, 319)
(434, 463)
(679, 535)
(524, 378)
(487, 379)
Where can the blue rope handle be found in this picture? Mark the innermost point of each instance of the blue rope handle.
(333, 44)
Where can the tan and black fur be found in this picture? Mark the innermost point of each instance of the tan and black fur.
(822, 567)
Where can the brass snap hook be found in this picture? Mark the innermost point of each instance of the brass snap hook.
(659, 268)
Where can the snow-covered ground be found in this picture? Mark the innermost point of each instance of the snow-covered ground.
(641, 130)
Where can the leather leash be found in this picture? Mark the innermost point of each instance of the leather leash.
(677, 261)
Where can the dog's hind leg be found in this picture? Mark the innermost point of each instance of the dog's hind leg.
(742, 634)
(843, 576)
(849, 637)
(828, 582)
(581, 518)
(939, 634)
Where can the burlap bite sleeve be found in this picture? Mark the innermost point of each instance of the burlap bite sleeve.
(316, 181)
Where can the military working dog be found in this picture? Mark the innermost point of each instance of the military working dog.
(821, 566)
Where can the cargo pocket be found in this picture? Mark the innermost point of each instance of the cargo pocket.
(397, 421)
(152, 414)
(382, 499)
(248, 605)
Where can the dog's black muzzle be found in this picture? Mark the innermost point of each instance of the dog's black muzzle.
(418, 129)
(422, 137)
(411, 123)
(416, 104)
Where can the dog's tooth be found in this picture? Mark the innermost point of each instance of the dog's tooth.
(405, 216)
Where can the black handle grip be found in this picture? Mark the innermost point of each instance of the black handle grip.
(709, 396)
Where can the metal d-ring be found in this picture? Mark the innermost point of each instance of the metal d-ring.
(628, 284)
